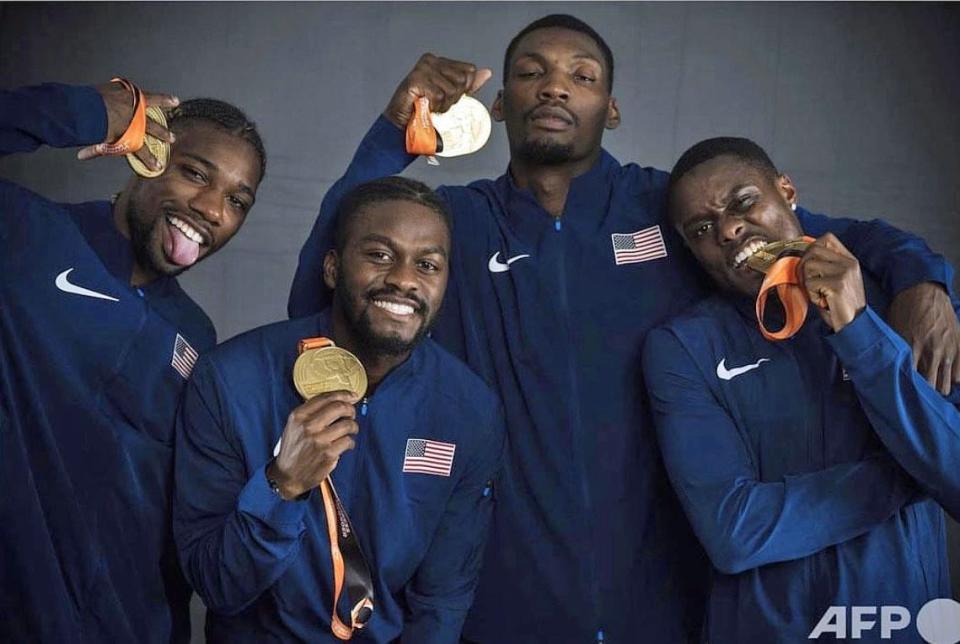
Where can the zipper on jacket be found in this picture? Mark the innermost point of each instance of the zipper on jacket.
(358, 447)
(593, 581)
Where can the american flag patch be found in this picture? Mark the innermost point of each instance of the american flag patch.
(184, 357)
(641, 246)
(428, 457)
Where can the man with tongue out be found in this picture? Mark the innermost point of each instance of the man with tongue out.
(96, 342)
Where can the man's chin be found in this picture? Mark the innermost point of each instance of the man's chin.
(545, 151)
(390, 345)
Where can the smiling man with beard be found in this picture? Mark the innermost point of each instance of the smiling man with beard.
(412, 458)
(97, 340)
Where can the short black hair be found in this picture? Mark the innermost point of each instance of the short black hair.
(225, 116)
(561, 21)
(380, 190)
(743, 149)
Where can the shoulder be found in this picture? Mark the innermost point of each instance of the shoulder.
(458, 388)
(702, 324)
(258, 354)
(642, 179)
(23, 206)
(480, 191)
(194, 321)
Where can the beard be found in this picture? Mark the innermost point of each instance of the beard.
(147, 252)
(545, 152)
(370, 343)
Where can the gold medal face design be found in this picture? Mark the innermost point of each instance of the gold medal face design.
(318, 371)
(159, 149)
(464, 128)
(764, 258)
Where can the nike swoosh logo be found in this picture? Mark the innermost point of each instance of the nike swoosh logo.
(497, 266)
(728, 374)
(64, 285)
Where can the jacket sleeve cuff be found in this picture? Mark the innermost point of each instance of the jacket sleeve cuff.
(257, 499)
(866, 334)
(87, 104)
(388, 141)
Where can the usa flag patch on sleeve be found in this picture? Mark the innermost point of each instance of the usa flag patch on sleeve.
(184, 357)
(424, 456)
(641, 246)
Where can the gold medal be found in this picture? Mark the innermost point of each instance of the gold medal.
(764, 258)
(159, 149)
(330, 368)
(463, 129)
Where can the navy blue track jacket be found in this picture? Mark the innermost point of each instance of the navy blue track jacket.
(588, 540)
(811, 469)
(88, 391)
(262, 564)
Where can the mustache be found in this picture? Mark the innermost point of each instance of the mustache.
(552, 109)
(421, 308)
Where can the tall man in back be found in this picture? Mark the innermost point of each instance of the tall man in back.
(560, 267)
(96, 342)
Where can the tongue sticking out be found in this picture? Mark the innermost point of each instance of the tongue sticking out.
(179, 249)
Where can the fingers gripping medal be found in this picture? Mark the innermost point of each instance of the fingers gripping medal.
(159, 149)
(321, 368)
(780, 262)
(463, 129)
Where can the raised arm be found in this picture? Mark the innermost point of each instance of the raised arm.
(918, 425)
(382, 152)
(920, 281)
(65, 116)
(742, 521)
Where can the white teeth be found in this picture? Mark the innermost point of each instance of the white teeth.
(393, 307)
(746, 252)
(189, 231)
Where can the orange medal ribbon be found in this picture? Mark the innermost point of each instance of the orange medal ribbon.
(784, 276)
(421, 136)
(132, 139)
(349, 564)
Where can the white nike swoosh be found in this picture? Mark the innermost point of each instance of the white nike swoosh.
(64, 285)
(728, 374)
(496, 266)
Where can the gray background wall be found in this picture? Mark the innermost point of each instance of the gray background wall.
(857, 102)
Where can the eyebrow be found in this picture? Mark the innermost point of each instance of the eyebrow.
(581, 55)
(386, 241)
(212, 166)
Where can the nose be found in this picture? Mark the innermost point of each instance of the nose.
(729, 228)
(554, 87)
(403, 277)
(208, 203)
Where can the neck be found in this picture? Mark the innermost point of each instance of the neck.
(377, 366)
(550, 184)
(139, 276)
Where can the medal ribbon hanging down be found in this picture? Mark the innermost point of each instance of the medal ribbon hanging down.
(349, 565)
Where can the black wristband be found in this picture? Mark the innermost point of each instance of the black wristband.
(275, 487)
